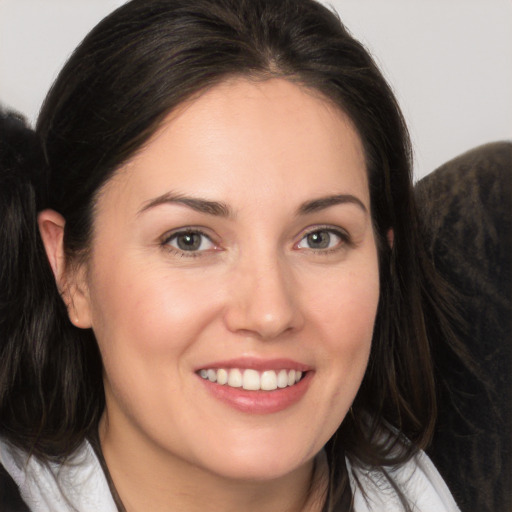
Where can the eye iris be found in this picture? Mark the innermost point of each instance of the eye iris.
(319, 240)
(189, 241)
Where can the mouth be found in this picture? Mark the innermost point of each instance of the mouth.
(250, 379)
(257, 386)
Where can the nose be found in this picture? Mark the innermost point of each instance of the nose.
(263, 300)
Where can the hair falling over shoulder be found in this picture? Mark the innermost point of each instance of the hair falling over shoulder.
(41, 399)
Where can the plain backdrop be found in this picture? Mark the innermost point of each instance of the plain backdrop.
(449, 61)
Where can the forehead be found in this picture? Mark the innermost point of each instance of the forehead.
(249, 136)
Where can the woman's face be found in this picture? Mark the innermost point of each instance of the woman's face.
(236, 249)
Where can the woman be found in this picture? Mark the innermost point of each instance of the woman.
(223, 304)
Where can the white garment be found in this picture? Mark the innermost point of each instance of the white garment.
(80, 484)
(77, 486)
(418, 480)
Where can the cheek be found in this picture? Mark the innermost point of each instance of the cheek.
(341, 308)
(344, 315)
(147, 322)
(141, 313)
(346, 305)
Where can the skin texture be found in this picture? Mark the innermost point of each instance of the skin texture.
(256, 288)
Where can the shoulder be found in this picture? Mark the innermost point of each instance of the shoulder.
(78, 483)
(375, 490)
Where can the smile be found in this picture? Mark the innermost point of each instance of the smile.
(252, 380)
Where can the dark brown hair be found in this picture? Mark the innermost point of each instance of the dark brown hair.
(134, 68)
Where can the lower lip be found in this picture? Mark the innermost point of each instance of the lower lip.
(260, 402)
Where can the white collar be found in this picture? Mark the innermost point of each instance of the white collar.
(78, 485)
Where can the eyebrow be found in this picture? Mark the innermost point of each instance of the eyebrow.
(215, 208)
(220, 209)
(322, 203)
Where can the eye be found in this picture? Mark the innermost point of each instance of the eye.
(322, 239)
(189, 241)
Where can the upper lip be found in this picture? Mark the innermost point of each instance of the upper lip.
(258, 364)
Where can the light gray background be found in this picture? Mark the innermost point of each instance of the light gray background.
(449, 61)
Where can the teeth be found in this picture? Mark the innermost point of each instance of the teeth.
(235, 379)
(282, 379)
(252, 380)
(222, 376)
(268, 381)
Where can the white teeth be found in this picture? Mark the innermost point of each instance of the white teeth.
(235, 378)
(268, 381)
(282, 379)
(252, 380)
(222, 376)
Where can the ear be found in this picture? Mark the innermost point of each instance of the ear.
(72, 285)
(390, 236)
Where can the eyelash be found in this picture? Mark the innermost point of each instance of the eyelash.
(184, 253)
(342, 235)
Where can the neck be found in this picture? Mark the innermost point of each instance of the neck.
(150, 480)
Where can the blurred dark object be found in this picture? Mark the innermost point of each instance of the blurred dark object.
(16, 139)
(20, 151)
(466, 211)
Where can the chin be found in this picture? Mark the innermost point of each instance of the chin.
(260, 469)
(263, 456)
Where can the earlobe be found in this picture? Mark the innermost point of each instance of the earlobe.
(72, 287)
